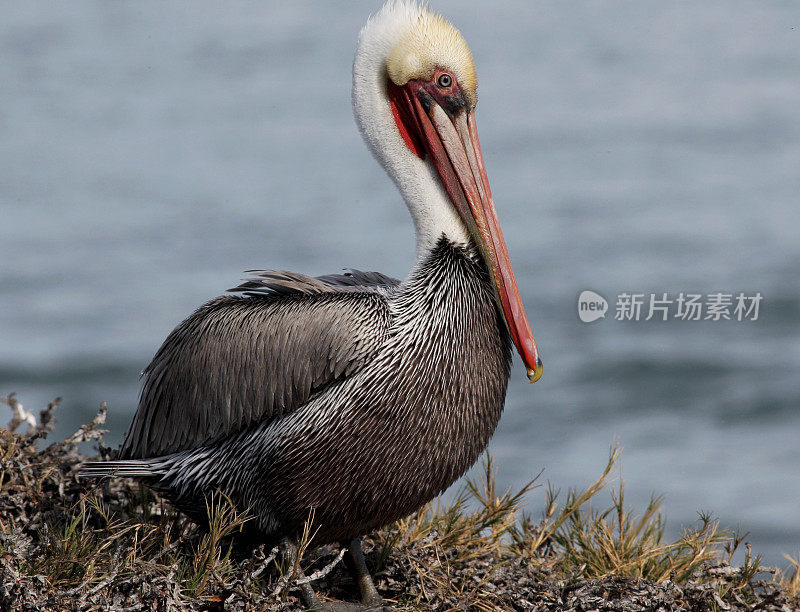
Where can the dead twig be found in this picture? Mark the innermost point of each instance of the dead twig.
(90, 431)
(20, 415)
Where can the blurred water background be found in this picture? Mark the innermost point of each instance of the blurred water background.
(151, 152)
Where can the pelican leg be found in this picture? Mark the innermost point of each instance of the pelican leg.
(312, 602)
(307, 594)
(358, 565)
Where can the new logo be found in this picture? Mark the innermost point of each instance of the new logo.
(591, 306)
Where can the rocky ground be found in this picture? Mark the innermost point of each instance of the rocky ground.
(67, 544)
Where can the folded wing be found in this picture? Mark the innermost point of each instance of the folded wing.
(249, 358)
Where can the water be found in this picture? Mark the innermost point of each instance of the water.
(151, 152)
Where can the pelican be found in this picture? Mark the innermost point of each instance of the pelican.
(353, 397)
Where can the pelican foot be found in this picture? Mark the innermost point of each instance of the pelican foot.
(312, 602)
(344, 606)
(358, 565)
(370, 600)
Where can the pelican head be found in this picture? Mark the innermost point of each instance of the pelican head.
(414, 98)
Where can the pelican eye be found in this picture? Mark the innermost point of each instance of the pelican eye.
(444, 81)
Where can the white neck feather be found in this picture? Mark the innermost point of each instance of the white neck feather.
(417, 180)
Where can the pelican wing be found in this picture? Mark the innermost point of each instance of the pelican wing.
(246, 359)
(267, 282)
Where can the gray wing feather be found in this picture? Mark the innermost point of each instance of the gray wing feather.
(359, 278)
(281, 282)
(238, 360)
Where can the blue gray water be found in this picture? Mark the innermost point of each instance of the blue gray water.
(151, 152)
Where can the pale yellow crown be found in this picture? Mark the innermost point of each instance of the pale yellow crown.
(432, 41)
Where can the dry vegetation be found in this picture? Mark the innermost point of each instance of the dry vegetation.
(73, 545)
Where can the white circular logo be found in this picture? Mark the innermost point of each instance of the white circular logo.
(591, 306)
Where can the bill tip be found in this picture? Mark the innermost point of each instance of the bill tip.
(535, 374)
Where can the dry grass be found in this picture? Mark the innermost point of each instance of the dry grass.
(571, 542)
(211, 556)
(615, 541)
(65, 545)
(473, 528)
(576, 537)
(83, 540)
(789, 579)
(92, 547)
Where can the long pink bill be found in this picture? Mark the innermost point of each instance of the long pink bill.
(452, 142)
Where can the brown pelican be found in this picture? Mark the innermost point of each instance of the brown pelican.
(356, 396)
